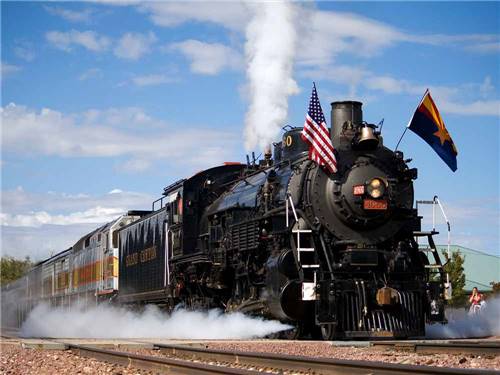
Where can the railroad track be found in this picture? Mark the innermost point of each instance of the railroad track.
(157, 364)
(9, 332)
(450, 347)
(184, 359)
(190, 360)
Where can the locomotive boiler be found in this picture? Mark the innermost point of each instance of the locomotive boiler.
(333, 255)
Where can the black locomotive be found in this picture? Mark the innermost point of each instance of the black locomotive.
(331, 254)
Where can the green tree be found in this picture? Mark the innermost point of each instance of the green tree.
(455, 269)
(495, 287)
(12, 269)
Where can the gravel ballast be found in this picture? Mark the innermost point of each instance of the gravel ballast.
(16, 360)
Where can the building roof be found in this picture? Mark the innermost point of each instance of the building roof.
(480, 268)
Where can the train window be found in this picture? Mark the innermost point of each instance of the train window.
(115, 238)
(87, 242)
(99, 237)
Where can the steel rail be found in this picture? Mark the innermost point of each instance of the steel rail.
(157, 364)
(310, 364)
(9, 333)
(455, 347)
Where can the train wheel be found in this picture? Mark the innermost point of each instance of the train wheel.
(328, 332)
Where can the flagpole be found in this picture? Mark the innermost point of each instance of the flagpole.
(402, 135)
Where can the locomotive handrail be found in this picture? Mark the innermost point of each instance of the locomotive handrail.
(289, 199)
(435, 201)
(158, 200)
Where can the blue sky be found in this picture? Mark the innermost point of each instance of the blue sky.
(105, 104)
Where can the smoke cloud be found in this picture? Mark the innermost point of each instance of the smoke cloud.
(462, 325)
(270, 51)
(104, 321)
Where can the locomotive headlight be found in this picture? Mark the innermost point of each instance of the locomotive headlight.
(376, 188)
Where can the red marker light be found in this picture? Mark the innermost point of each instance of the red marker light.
(179, 206)
(358, 189)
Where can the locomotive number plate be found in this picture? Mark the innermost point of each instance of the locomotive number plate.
(371, 204)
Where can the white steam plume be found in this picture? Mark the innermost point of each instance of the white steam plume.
(462, 325)
(270, 52)
(104, 321)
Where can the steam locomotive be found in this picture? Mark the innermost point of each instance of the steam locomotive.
(333, 255)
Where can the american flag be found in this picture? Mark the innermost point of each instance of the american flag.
(316, 134)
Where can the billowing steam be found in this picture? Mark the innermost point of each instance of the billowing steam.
(270, 50)
(104, 321)
(462, 325)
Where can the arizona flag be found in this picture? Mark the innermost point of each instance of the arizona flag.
(428, 124)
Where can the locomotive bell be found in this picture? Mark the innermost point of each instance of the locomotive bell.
(367, 137)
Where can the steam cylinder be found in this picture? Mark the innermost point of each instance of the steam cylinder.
(344, 111)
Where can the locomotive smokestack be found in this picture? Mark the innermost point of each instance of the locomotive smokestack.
(349, 112)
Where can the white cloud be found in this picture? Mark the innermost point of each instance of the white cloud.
(323, 35)
(111, 133)
(326, 34)
(349, 75)
(476, 108)
(41, 242)
(36, 224)
(94, 215)
(9, 69)
(70, 15)
(486, 88)
(489, 47)
(87, 39)
(231, 15)
(209, 58)
(451, 100)
(24, 50)
(21, 202)
(90, 73)
(135, 165)
(132, 46)
(152, 79)
(481, 43)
